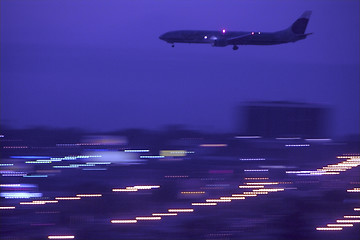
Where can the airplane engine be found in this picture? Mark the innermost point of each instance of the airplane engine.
(220, 43)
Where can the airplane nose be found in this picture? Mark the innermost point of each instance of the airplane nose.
(162, 37)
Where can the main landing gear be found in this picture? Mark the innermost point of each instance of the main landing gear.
(235, 47)
(172, 45)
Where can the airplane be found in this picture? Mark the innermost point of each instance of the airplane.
(224, 38)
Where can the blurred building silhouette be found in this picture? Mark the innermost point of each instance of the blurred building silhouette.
(285, 119)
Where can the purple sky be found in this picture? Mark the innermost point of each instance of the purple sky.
(99, 65)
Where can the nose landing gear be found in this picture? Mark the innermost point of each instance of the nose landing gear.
(235, 47)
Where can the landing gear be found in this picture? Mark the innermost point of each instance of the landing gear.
(235, 47)
(173, 45)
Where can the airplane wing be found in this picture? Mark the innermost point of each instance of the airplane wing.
(237, 38)
(222, 42)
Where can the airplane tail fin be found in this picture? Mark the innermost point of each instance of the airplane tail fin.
(299, 26)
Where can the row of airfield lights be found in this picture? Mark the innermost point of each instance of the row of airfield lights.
(257, 188)
(56, 200)
(69, 158)
(79, 196)
(135, 188)
(351, 161)
(347, 221)
(163, 154)
(334, 169)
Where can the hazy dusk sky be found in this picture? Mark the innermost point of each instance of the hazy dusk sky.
(100, 65)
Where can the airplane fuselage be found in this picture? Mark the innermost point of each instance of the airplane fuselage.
(251, 38)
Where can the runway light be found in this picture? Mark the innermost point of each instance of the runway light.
(146, 187)
(269, 190)
(6, 208)
(181, 210)
(297, 145)
(348, 221)
(232, 198)
(252, 159)
(329, 228)
(354, 190)
(125, 190)
(351, 216)
(262, 192)
(67, 198)
(176, 176)
(252, 178)
(37, 202)
(253, 186)
(340, 225)
(33, 203)
(19, 195)
(204, 204)
(218, 200)
(123, 221)
(261, 183)
(248, 137)
(256, 170)
(192, 192)
(35, 176)
(213, 145)
(135, 188)
(148, 218)
(9, 185)
(244, 195)
(61, 237)
(136, 150)
(250, 193)
(164, 214)
(152, 156)
(88, 195)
